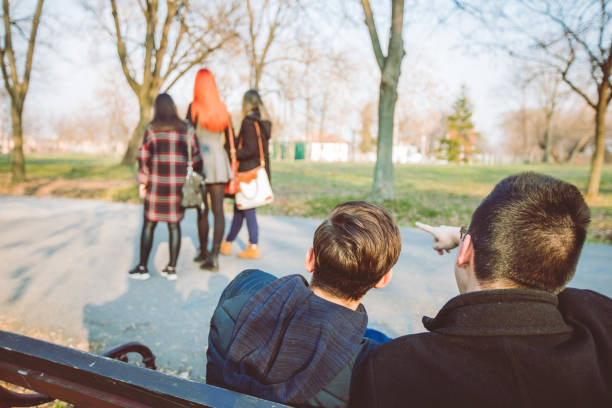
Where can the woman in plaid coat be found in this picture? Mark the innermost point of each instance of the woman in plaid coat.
(162, 167)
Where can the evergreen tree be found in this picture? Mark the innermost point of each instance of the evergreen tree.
(461, 137)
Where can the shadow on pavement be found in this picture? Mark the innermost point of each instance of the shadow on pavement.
(157, 313)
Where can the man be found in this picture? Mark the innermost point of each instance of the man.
(514, 337)
(290, 342)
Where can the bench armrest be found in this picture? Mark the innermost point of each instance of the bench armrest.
(16, 399)
(120, 353)
(10, 398)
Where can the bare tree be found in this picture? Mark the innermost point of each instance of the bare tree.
(523, 128)
(177, 36)
(367, 120)
(267, 22)
(566, 131)
(422, 98)
(390, 68)
(573, 38)
(550, 95)
(570, 130)
(308, 84)
(17, 88)
(547, 88)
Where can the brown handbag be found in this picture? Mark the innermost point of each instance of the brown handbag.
(232, 186)
(250, 175)
(255, 189)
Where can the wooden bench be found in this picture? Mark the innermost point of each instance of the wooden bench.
(89, 380)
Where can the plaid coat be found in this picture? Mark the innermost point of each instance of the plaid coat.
(162, 166)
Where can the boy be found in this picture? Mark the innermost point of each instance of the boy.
(291, 342)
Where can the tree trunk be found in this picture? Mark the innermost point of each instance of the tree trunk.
(600, 148)
(383, 187)
(547, 143)
(257, 71)
(146, 107)
(390, 69)
(308, 146)
(578, 147)
(18, 158)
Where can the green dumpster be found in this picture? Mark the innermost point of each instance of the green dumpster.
(300, 148)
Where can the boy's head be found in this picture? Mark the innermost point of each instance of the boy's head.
(354, 248)
(529, 230)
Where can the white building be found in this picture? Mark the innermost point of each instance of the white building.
(328, 148)
(406, 153)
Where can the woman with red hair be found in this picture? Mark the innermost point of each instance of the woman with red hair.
(210, 117)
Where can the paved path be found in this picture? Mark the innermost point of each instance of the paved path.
(64, 267)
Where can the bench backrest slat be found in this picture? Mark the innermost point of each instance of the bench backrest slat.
(86, 379)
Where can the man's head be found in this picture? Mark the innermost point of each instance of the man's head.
(354, 250)
(528, 232)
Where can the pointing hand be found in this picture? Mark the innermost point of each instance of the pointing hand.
(445, 237)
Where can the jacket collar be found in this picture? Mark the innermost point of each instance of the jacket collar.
(254, 115)
(503, 312)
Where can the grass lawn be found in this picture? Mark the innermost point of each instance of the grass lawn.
(433, 194)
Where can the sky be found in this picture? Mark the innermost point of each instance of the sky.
(74, 61)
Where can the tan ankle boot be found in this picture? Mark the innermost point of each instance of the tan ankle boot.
(252, 252)
(226, 248)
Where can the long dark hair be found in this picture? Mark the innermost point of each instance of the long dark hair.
(165, 116)
(252, 103)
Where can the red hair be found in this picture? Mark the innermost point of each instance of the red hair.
(207, 107)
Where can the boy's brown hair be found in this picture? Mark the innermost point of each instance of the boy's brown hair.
(354, 248)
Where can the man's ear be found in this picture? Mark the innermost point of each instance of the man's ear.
(384, 281)
(309, 261)
(466, 252)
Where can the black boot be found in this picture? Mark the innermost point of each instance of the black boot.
(202, 255)
(211, 262)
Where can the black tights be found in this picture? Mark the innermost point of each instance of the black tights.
(146, 241)
(216, 192)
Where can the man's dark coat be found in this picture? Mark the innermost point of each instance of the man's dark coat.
(498, 348)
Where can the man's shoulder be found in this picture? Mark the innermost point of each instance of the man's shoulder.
(583, 295)
(407, 347)
(577, 300)
(586, 306)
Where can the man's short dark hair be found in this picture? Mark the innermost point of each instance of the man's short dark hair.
(354, 248)
(530, 230)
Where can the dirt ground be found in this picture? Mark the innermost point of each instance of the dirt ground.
(61, 187)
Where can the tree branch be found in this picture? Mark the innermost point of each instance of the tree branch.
(271, 35)
(183, 72)
(252, 36)
(602, 25)
(396, 42)
(606, 72)
(369, 20)
(5, 76)
(187, 65)
(565, 78)
(566, 29)
(179, 39)
(8, 47)
(142, 5)
(172, 9)
(31, 44)
(151, 21)
(121, 50)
